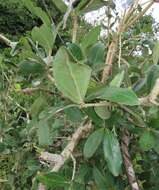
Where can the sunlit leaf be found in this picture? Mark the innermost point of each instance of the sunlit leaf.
(71, 79)
(114, 94)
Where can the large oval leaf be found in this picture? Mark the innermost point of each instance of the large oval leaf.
(114, 94)
(112, 153)
(92, 143)
(71, 79)
(31, 67)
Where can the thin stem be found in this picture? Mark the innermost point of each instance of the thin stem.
(140, 14)
(75, 27)
(5, 40)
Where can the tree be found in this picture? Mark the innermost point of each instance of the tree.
(81, 112)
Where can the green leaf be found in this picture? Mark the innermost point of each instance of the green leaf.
(75, 51)
(71, 79)
(100, 180)
(96, 55)
(60, 5)
(94, 117)
(38, 105)
(43, 133)
(118, 79)
(156, 53)
(153, 74)
(44, 36)
(102, 112)
(74, 114)
(29, 55)
(112, 153)
(37, 11)
(147, 140)
(156, 138)
(53, 180)
(114, 94)
(93, 143)
(87, 6)
(31, 67)
(91, 37)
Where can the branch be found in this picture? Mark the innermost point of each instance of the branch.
(5, 40)
(59, 160)
(127, 161)
(29, 91)
(109, 59)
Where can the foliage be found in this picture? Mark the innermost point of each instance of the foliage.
(15, 19)
(50, 86)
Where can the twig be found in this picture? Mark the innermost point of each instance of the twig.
(75, 27)
(51, 78)
(74, 167)
(109, 59)
(29, 91)
(127, 161)
(140, 14)
(123, 26)
(68, 12)
(119, 57)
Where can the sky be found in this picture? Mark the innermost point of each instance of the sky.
(155, 11)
